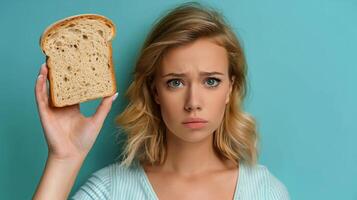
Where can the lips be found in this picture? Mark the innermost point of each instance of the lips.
(195, 123)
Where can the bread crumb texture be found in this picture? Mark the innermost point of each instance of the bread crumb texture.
(80, 61)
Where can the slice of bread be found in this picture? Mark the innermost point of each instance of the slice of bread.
(78, 53)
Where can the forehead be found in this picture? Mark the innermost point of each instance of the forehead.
(201, 55)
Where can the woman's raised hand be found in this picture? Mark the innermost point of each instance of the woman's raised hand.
(69, 134)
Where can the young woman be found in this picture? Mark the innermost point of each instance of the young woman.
(187, 135)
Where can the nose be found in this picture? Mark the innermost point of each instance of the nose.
(193, 102)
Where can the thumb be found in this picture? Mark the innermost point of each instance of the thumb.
(104, 108)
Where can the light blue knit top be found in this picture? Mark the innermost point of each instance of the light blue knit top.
(117, 182)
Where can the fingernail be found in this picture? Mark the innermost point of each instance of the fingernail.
(115, 96)
(39, 76)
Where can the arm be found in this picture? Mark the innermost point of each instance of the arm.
(58, 178)
(69, 136)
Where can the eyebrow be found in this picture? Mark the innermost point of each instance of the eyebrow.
(201, 74)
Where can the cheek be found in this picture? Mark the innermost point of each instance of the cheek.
(216, 106)
(168, 111)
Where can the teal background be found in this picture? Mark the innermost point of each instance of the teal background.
(302, 87)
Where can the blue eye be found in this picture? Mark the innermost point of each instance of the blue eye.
(212, 81)
(174, 81)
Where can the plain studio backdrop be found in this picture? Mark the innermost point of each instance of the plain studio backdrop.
(302, 73)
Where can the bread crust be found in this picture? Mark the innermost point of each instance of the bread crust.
(58, 24)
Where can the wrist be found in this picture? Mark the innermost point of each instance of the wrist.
(74, 158)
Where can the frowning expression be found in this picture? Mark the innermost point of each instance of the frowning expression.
(193, 82)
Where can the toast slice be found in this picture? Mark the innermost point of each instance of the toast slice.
(78, 53)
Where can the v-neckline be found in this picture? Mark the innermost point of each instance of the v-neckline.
(153, 194)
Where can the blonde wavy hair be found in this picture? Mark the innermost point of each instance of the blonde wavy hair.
(235, 139)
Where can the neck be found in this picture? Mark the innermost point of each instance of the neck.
(188, 158)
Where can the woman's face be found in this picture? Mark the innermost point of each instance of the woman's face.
(185, 90)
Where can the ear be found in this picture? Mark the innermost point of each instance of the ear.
(231, 82)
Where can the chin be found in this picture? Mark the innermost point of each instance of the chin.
(194, 136)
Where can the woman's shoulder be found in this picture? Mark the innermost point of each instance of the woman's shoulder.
(259, 183)
(100, 184)
(119, 173)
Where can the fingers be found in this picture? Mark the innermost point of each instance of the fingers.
(104, 108)
(41, 88)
